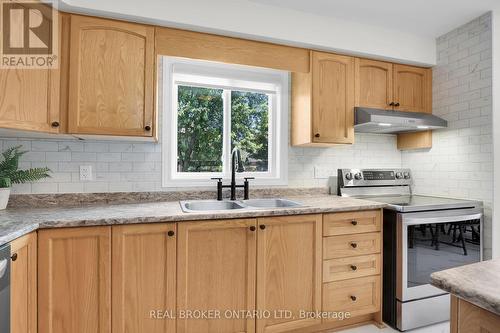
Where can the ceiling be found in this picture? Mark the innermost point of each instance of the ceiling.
(425, 17)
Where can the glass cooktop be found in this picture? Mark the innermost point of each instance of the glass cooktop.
(416, 203)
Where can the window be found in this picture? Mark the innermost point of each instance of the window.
(211, 108)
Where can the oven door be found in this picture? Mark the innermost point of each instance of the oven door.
(429, 242)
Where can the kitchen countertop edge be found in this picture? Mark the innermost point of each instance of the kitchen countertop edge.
(16, 223)
(475, 283)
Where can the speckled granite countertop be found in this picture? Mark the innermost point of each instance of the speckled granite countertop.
(19, 221)
(475, 283)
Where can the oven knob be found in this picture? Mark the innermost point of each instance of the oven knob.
(348, 176)
(399, 175)
(407, 175)
(358, 176)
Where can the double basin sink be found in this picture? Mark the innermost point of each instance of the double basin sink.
(214, 205)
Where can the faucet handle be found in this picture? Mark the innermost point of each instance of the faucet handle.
(219, 187)
(246, 187)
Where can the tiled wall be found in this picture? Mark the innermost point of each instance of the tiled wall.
(132, 166)
(460, 163)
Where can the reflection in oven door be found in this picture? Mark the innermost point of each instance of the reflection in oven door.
(432, 247)
(436, 247)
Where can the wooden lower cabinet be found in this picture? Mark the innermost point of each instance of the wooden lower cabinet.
(469, 318)
(288, 271)
(74, 280)
(216, 271)
(23, 288)
(143, 278)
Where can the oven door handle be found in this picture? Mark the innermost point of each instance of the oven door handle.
(441, 219)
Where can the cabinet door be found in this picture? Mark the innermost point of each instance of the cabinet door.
(413, 88)
(74, 286)
(469, 318)
(111, 77)
(288, 271)
(373, 84)
(333, 98)
(23, 288)
(216, 271)
(144, 267)
(29, 98)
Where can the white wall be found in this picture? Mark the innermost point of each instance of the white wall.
(263, 22)
(460, 163)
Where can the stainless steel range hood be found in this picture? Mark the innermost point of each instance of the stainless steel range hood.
(386, 121)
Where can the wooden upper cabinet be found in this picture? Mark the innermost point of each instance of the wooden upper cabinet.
(412, 88)
(333, 98)
(216, 271)
(288, 271)
(323, 102)
(23, 288)
(74, 280)
(144, 269)
(373, 84)
(111, 86)
(29, 98)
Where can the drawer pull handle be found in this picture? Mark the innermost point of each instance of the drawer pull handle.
(170, 233)
(354, 222)
(354, 298)
(354, 245)
(262, 226)
(354, 267)
(252, 228)
(14, 257)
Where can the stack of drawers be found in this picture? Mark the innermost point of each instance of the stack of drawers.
(352, 262)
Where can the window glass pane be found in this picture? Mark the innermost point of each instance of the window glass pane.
(250, 128)
(200, 122)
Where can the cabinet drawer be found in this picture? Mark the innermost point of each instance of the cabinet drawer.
(357, 296)
(351, 245)
(351, 267)
(351, 223)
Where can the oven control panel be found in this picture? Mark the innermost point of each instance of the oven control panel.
(373, 177)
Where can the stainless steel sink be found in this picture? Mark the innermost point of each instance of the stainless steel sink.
(209, 205)
(195, 206)
(271, 203)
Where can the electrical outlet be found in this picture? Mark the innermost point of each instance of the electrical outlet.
(85, 172)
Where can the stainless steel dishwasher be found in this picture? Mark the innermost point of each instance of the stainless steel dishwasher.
(5, 288)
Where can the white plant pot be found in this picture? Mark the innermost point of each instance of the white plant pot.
(4, 197)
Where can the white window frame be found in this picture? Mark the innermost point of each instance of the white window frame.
(275, 83)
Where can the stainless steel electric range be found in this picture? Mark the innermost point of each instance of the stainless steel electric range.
(422, 235)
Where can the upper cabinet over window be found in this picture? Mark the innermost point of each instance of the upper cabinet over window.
(111, 86)
(323, 101)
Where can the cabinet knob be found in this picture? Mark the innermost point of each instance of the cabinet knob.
(354, 267)
(147, 128)
(354, 222)
(391, 104)
(55, 124)
(317, 135)
(354, 298)
(252, 228)
(262, 227)
(397, 104)
(354, 245)
(14, 257)
(171, 233)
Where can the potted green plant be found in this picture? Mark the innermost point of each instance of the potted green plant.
(10, 173)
